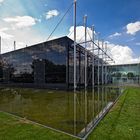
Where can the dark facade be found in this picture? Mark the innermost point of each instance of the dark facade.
(51, 65)
(48, 64)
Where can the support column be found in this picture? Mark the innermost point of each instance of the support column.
(75, 112)
(98, 60)
(85, 25)
(86, 113)
(105, 64)
(102, 62)
(75, 85)
(93, 82)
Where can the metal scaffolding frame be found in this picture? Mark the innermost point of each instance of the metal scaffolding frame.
(93, 82)
(75, 83)
(105, 58)
(85, 25)
(102, 59)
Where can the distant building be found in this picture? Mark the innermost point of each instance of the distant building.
(124, 74)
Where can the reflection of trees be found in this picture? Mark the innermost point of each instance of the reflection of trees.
(6, 96)
(130, 75)
(89, 78)
(23, 78)
(6, 70)
(55, 73)
(117, 74)
(11, 70)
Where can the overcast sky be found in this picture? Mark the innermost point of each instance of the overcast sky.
(31, 21)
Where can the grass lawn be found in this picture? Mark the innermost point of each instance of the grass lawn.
(12, 128)
(122, 123)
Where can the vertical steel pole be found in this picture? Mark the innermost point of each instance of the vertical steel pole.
(105, 64)
(74, 113)
(102, 95)
(98, 60)
(86, 115)
(98, 75)
(102, 62)
(85, 25)
(75, 86)
(98, 100)
(93, 82)
(93, 105)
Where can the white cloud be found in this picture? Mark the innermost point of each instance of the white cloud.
(80, 32)
(51, 14)
(21, 21)
(1, 1)
(115, 35)
(4, 29)
(5, 35)
(133, 28)
(121, 54)
(80, 35)
(27, 37)
(22, 38)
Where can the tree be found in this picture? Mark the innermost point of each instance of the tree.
(130, 75)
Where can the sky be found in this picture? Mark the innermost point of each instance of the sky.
(31, 21)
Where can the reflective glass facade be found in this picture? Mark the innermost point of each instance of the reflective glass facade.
(41, 63)
(45, 63)
(80, 63)
(124, 74)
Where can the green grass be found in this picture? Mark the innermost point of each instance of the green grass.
(12, 128)
(123, 121)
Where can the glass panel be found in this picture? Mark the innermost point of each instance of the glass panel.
(22, 66)
(124, 74)
(74, 113)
